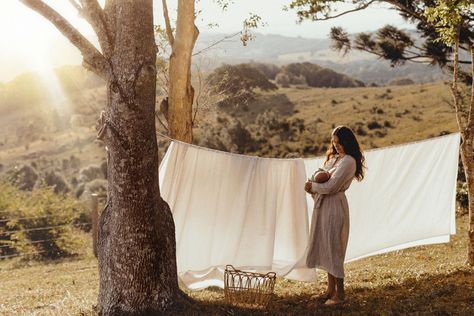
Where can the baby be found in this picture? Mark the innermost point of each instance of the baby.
(321, 175)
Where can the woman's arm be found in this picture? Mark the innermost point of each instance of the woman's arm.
(345, 171)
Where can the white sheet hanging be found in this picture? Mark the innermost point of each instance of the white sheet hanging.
(406, 199)
(233, 209)
(252, 212)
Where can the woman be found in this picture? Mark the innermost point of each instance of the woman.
(330, 222)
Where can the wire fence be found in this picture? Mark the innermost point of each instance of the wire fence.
(48, 234)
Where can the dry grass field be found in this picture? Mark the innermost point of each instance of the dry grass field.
(425, 280)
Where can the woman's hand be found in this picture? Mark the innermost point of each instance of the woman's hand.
(308, 186)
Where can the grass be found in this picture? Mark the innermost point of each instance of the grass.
(422, 280)
(402, 106)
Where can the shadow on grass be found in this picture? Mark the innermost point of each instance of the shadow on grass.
(442, 294)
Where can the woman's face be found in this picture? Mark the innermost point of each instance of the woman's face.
(339, 147)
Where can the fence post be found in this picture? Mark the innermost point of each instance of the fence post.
(95, 218)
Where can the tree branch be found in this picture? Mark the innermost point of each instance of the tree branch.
(470, 121)
(455, 89)
(93, 59)
(110, 19)
(361, 7)
(169, 31)
(405, 9)
(217, 42)
(76, 5)
(198, 97)
(94, 14)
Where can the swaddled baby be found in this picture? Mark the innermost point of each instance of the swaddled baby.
(321, 175)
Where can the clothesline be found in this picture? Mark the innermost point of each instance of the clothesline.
(364, 150)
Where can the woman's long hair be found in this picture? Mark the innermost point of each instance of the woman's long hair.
(351, 147)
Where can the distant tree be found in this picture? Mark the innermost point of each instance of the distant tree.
(238, 83)
(317, 76)
(269, 70)
(283, 79)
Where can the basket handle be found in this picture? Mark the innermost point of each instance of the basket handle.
(230, 267)
(271, 274)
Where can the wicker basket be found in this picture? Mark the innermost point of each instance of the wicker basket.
(248, 289)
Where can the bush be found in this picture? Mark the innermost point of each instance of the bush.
(24, 177)
(374, 125)
(90, 173)
(38, 224)
(283, 80)
(317, 76)
(56, 181)
(401, 82)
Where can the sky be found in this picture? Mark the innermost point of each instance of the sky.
(30, 43)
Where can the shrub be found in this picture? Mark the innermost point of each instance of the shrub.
(374, 125)
(401, 82)
(317, 76)
(24, 177)
(38, 224)
(90, 173)
(387, 124)
(283, 80)
(56, 181)
(360, 131)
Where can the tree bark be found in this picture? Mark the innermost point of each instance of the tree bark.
(136, 244)
(465, 120)
(469, 162)
(181, 92)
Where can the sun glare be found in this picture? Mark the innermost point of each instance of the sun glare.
(29, 43)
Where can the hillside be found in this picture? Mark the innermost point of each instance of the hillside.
(289, 122)
(296, 121)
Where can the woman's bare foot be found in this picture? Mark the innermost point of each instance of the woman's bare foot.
(325, 296)
(333, 302)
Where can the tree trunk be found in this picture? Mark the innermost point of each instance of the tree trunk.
(468, 162)
(181, 92)
(136, 240)
(469, 170)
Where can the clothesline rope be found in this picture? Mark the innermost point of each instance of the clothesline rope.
(258, 157)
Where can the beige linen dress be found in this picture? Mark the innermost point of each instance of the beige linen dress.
(330, 221)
